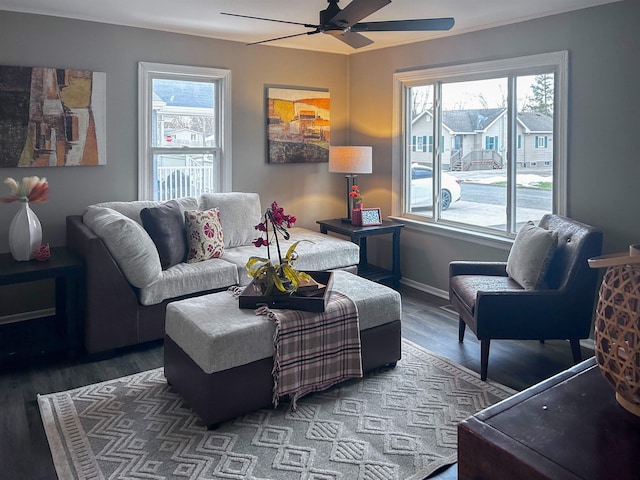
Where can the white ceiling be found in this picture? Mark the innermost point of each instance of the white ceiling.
(203, 18)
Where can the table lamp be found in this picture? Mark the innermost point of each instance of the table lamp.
(352, 161)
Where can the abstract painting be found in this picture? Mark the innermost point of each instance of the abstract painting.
(51, 117)
(298, 125)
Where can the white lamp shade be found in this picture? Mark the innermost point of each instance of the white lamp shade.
(350, 160)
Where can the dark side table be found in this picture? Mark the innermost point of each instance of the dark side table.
(568, 427)
(45, 334)
(359, 235)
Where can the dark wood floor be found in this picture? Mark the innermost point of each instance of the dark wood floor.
(24, 451)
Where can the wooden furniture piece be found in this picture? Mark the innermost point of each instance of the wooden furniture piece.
(46, 334)
(358, 235)
(494, 306)
(568, 427)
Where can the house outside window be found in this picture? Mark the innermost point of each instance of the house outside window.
(185, 131)
(500, 141)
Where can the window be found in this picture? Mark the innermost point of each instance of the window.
(541, 142)
(500, 155)
(184, 131)
(491, 143)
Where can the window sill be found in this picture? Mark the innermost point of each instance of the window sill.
(450, 231)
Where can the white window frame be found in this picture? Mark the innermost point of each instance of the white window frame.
(520, 66)
(146, 73)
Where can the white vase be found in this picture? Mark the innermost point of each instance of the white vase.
(25, 233)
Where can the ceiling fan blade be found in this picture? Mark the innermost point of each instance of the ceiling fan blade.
(282, 38)
(270, 20)
(356, 11)
(352, 39)
(418, 25)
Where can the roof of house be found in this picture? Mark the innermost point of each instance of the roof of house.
(471, 120)
(179, 93)
(536, 122)
(478, 119)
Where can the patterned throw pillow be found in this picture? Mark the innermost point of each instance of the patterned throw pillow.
(204, 234)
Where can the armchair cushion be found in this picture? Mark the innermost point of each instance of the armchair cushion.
(466, 288)
(531, 255)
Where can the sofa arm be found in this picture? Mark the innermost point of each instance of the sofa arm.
(477, 268)
(111, 304)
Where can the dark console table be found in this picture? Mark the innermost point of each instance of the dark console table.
(45, 334)
(568, 427)
(359, 235)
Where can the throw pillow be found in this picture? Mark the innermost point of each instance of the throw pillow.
(204, 234)
(531, 255)
(240, 212)
(165, 226)
(128, 243)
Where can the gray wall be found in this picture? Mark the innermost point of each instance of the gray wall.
(304, 189)
(307, 191)
(603, 44)
(604, 121)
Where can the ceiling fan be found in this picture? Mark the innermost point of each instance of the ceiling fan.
(344, 25)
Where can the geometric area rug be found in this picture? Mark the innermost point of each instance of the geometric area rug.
(395, 423)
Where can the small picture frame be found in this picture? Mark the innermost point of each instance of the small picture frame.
(371, 216)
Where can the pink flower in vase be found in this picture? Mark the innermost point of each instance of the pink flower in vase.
(357, 197)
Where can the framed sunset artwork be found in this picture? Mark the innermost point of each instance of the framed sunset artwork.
(298, 125)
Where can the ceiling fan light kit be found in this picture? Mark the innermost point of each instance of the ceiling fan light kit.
(343, 23)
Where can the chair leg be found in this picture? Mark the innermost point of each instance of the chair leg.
(461, 327)
(484, 358)
(575, 350)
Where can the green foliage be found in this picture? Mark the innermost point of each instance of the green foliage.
(542, 97)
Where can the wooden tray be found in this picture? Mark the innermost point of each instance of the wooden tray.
(310, 302)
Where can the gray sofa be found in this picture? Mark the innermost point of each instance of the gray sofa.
(126, 289)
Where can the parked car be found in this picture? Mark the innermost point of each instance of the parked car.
(422, 187)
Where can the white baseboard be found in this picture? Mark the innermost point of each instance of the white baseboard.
(22, 316)
(436, 292)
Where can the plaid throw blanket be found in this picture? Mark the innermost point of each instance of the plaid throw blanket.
(314, 351)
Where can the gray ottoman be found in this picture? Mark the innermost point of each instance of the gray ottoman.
(219, 357)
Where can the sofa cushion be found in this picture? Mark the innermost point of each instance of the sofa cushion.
(204, 234)
(239, 214)
(132, 209)
(531, 255)
(320, 252)
(129, 244)
(165, 225)
(189, 278)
